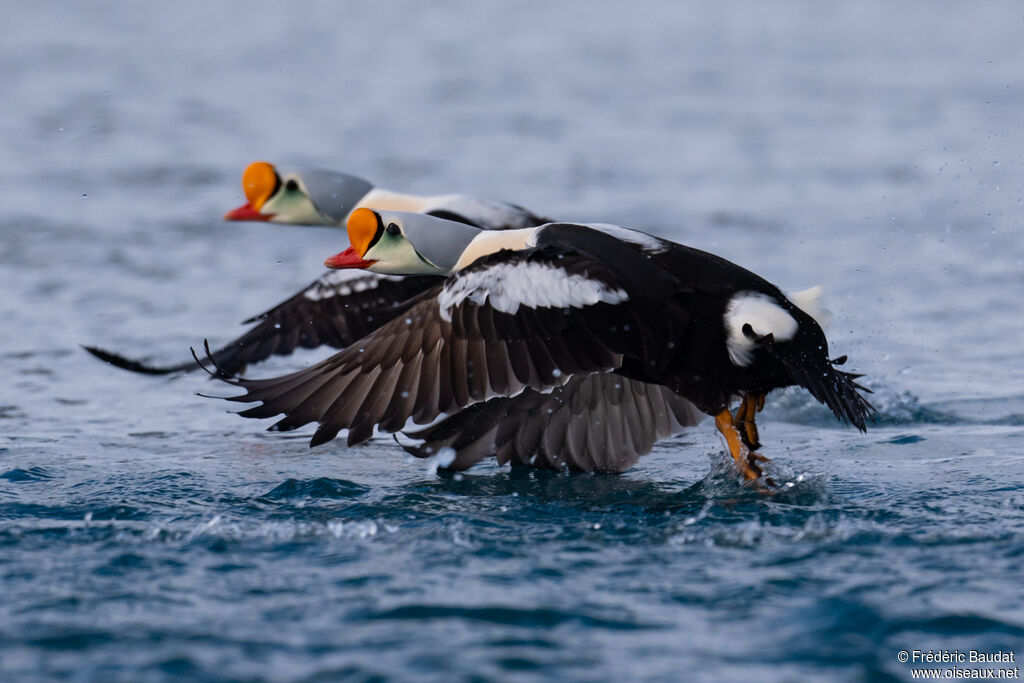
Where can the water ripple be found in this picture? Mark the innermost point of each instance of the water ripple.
(23, 475)
(321, 487)
(507, 616)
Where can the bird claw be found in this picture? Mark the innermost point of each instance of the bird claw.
(750, 471)
(744, 420)
(746, 460)
(740, 434)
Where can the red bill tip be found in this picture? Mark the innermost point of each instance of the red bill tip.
(349, 258)
(246, 212)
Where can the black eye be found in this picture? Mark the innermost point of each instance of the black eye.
(291, 185)
(393, 229)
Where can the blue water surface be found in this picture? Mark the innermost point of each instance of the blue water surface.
(147, 534)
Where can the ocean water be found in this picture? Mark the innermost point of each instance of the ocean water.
(147, 534)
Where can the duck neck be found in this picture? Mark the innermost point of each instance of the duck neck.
(380, 199)
(491, 241)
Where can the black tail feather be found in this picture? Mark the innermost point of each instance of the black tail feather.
(228, 361)
(836, 389)
(119, 361)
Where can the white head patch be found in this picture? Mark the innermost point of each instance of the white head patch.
(344, 283)
(507, 286)
(764, 315)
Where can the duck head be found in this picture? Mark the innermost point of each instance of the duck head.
(298, 196)
(403, 243)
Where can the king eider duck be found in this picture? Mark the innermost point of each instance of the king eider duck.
(531, 311)
(340, 306)
(314, 196)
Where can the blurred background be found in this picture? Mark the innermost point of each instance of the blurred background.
(875, 148)
(802, 141)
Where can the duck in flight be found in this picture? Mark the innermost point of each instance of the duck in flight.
(528, 312)
(316, 196)
(339, 307)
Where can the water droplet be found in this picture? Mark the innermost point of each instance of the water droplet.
(445, 456)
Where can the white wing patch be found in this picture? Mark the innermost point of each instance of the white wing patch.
(648, 243)
(507, 286)
(485, 212)
(764, 315)
(344, 283)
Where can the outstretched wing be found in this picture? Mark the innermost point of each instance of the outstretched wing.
(838, 390)
(510, 321)
(595, 423)
(334, 310)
